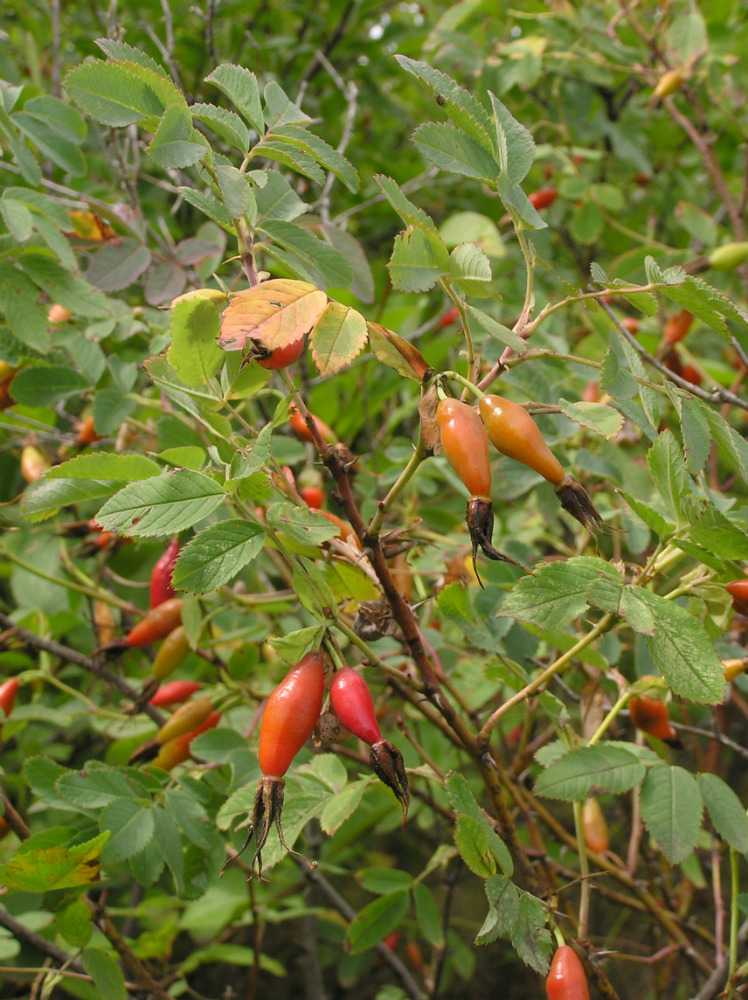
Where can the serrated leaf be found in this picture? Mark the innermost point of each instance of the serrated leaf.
(47, 496)
(23, 313)
(472, 842)
(464, 109)
(66, 289)
(377, 920)
(408, 212)
(515, 143)
(450, 149)
(176, 144)
(122, 52)
(292, 157)
(240, 86)
(697, 439)
(44, 385)
(499, 332)
(671, 807)
(516, 200)
(557, 593)
(417, 261)
(310, 256)
(113, 94)
(162, 505)
(668, 470)
(343, 805)
(321, 151)
(94, 788)
(209, 205)
(195, 326)
(64, 153)
(106, 465)
(725, 810)
(47, 869)
(75, 923)
(462, 801)
(471, 270)
(708, 527)
(116, 265)
(275, 313)
(503, 900)
(428, 915)
(731, 446)
(576, 774)
(224, 123)
(338, 337)
(649, 516)
(216, 554)
(455, 603)
(362, 285)
(530, 937)
(110, 410)
(131, 827)
(598, 417)
(170, 845)
(683, 651)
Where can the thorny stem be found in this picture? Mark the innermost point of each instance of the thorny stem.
(538, 682)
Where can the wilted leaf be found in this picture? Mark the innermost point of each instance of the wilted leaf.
(275, 313)
(339, 336)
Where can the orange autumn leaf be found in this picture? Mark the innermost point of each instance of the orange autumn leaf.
(274, 313)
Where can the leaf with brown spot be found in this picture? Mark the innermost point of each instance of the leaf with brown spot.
(275, 313)
(338, 337)
(396, 352)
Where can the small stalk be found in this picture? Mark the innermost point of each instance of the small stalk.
(584, 871)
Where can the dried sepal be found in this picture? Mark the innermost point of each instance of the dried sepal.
(387, 763)
(575, 501)
(479, 519)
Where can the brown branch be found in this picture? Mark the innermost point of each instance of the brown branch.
(13, 818)
(29, 937)
(81, 660)
(137, 969)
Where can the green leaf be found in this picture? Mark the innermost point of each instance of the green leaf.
(106, 974)
(114, 94)
(300, 523)
(471, 270)
(315, 260)
(131, 826)
(450, 149)
(731, 446)
(577, 773)
(122, 52)
(68, 290)
(240, 86)
(697, 439)
(19, 150)
(382, 881)
(224, 123)
(471, 839)
(557, 593)
(17, 218)
(462, 801)
(499, 332)
(321, 151)
(408, 212)
(465, 111)
(170, 844)
(75, 923)
(51, 868)
(47, 496)
(428, 915)
(208, 205)
(377, 920)
(214, 556)
(503, 900)
(671, 806)
(343, 805)
(708, 526)
(106, 465)
(93, 788)
(415, 264)
(292, 647)
(615, 379)
(472, 227)
(176, 144)
(515, 143)
(705, 302)
(455, 603)
(194, 353)
(110, 410)
(598, 417)
(291, 156)
(280, 109)
(162, 505)
(649, 516)
(668, 470)
(683, 651)
(117, 265)
(516, 200)
(725, 810)
(530, 937)
(276, 199)
(51, 141)
(43, 385)
(25, 316)
(191, 817)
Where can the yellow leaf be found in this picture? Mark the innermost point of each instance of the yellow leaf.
(275, 313)
(339, 336)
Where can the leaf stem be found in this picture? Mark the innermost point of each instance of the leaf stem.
(602, 626)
